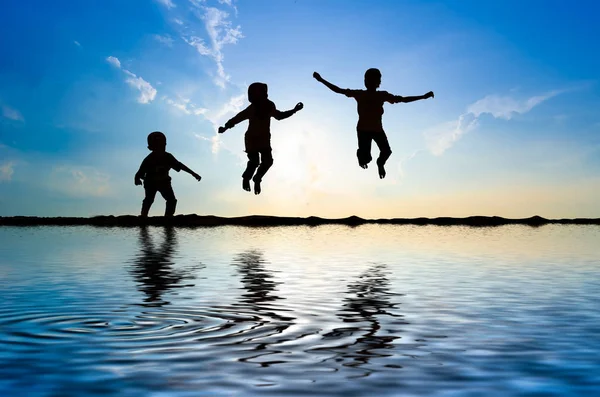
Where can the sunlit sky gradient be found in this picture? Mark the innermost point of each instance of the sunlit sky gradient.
(514, 129)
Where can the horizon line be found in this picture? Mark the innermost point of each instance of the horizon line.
(272, 220)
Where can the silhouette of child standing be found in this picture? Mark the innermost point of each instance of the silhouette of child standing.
(370, 111)
(258, 136)
(154, 170)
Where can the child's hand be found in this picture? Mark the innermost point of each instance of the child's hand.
(317, 76)
(299, 106)
(222, 130)
(198, 177)
(138, 181)
(429, 94)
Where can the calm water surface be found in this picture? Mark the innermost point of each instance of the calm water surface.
(331, 310)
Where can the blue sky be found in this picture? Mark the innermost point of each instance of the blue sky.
(513, 129)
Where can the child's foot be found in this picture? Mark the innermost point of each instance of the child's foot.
(256, 186)
(246, 184)
(381, 170)
(364, 166)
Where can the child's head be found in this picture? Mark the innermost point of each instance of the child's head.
(257, 92)
(157, 141)
(372, 79)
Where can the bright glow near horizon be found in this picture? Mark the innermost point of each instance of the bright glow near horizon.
(513, 130)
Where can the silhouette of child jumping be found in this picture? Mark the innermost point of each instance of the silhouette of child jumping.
(258, 136)
(370, 110)
(154, 170)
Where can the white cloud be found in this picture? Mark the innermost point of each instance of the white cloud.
(178, 21)
(220, 32)
(76, 43)
(114, 61)
(199, 45)
(441, 137)
(167, 3)
(11, 113)
(215, 143)
(6, 171)
(230, 108)
(166, 40)
(147, 92)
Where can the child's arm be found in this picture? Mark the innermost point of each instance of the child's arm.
(327, 84)
(192, 173)
(407, 99)
(238, 118)
(279, 115)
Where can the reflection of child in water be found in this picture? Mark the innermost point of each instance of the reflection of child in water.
(154, 170)
(258, 136)
(370, 111)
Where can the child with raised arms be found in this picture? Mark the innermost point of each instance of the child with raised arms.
(257, 139)
(370, 111)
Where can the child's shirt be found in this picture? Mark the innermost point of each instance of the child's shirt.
(155, 167)
(258, 134)
(370, 108)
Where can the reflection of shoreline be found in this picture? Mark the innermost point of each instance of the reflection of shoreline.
(153, 267)
(367, 298)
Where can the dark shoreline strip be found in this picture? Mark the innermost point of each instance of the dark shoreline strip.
(260, 220)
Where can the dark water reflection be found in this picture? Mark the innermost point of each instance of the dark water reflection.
(258, 299)
(367, 311)
(153, 266)
(367, 299)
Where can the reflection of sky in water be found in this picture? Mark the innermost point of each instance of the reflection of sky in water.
(332, 310)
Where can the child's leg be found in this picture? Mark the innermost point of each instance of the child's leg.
(171, 202)
(364, 148)
(148, 200)
(266, 161)
(384, 152)
(253, 161)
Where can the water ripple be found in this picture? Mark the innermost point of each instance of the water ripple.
(185, 314)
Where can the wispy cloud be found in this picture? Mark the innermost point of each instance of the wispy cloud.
(6, 171)
(229, 3)
(185, 105)
(147, 92)
(78, 44)
(506, 107)
(79, 181)
(220, 32)
(11, 113)
(167, 3)
(219, 117)
(441, 137)
(165, 40)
